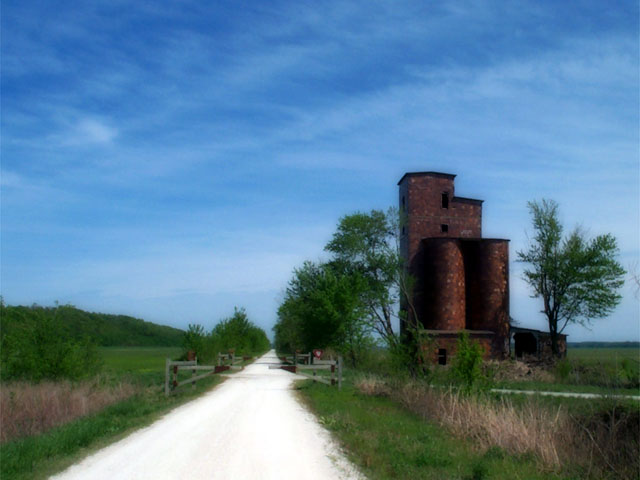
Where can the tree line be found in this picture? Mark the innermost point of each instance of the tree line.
(236, 332)
(39, 343)
(61, 342)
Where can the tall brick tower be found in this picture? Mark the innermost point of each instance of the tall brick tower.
(462, 280)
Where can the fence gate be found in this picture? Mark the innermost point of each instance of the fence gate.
(299, 363)
(225, 362)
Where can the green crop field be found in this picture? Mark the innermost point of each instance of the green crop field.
(603, 355)
(137, 359)
(140, 365)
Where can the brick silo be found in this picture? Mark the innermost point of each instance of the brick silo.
(443, 305)
(487, 289)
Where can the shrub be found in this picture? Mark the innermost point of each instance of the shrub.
(467, 363)
(35, 345)
(194, 339)
(562, 370)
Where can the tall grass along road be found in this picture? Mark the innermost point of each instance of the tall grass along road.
(251, 426)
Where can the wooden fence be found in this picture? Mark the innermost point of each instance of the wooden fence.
(300, 363)
(225, 362)
(231, 359)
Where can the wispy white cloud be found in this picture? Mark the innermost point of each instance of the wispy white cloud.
(94, 131)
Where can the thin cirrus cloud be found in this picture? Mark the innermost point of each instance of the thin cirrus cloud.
(87, 131)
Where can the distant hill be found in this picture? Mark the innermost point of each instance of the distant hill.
(603, 344)
(106, 330)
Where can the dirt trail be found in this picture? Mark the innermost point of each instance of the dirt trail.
(250, 427)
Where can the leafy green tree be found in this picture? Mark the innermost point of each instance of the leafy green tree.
(194, 339)
(239, 333)
(235, 332)
(366, 262)
(322, 308)
(366, 244)
(288, 329)
(577, 279)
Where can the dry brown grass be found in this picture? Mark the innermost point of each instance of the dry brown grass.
(602, 444)
(525, 429)
(29, 409)
(373, 386)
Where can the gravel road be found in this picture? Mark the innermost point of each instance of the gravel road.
(249, 427)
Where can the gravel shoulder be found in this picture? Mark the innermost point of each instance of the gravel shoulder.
(249, 427)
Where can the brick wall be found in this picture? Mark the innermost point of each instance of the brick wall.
(441, 304)
(420, 196)
(449, 342)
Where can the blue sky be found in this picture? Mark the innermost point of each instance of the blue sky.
(171, 160)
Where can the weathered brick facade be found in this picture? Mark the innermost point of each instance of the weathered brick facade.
(462, 280)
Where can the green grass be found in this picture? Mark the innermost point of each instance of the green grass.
(137, 359)
(607, 356)
(387, 442)
(140, 365)
(42, 455)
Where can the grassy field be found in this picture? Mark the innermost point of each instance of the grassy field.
(393, 435)
(142, 365)
(387, 442)
(42, 455)
(604, 355)
(587, 370)
(137, 359)
(404, 431)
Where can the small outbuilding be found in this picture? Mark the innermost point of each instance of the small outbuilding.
(529, 343)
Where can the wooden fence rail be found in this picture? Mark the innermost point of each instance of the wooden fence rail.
(334, 366)
(172, 367)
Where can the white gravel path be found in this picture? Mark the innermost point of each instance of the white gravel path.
(249, 427)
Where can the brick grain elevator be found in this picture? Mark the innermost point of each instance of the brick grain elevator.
(461, 279)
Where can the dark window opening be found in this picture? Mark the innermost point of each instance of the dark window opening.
(403, 230)
(442, 356)
(444, 228)
(525, 344)
(445, 200)
(403, 204)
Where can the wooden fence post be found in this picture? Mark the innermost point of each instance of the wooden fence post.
(340, 372)
(175, 375)
(166, 376)
(193, 374)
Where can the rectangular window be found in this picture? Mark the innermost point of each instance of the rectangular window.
(445, 200)
(444, 228)
(442, 356)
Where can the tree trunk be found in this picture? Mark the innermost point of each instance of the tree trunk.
(553, 333)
